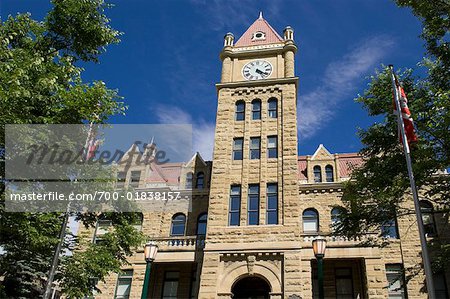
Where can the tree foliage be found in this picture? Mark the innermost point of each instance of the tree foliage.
(374, 195)
(41, 83)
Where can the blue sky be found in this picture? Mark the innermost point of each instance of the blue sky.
(168, 61)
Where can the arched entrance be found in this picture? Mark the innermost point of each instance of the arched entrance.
(251, 288)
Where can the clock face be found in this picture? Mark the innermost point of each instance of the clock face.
(256, 70)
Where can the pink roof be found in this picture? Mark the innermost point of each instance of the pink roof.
(302, 171)
(169, 173)
(347, 162)
(259, 25)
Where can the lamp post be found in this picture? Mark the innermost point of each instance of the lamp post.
(150, 251)
(319, 245)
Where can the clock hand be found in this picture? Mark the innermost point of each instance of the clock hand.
(259, 71)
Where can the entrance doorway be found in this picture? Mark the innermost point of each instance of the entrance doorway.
(251, 288)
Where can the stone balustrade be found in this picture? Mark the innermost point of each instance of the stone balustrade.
(343, 241)
(180, 243)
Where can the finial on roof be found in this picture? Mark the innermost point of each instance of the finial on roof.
(260, 15)
(153, 139)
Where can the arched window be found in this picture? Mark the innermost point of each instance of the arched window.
(178, 225)
(317, 174)
(256, 109)
(335, 217)
(189, 177)
(201, 224)
(200, 180)
(272, 108)
(310, 221)
(329, 173)
(427, 210)
(240, 110)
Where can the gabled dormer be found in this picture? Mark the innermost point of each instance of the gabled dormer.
(322, 166)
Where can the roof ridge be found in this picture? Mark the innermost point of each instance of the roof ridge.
(273, 30)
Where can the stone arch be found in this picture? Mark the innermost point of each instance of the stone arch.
(251, 285)
(264, 270)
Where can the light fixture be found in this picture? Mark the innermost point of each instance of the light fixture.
(319, 245)
(150, 251)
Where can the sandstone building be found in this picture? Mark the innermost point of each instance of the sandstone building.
(258, 205)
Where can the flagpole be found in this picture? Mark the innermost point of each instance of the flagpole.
(423, 241)
(62, 233)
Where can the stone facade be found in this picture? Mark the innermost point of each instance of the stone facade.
(274, 260)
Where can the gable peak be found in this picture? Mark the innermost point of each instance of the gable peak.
(259, 33)
(322, 153)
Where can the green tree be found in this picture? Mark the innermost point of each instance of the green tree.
(40, 83)
(375, 193)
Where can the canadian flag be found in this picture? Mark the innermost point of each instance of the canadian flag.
(93, 146)
(406, 116)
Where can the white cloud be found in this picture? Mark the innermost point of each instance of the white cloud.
(316, 109)
(202, 131)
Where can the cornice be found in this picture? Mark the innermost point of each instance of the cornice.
(238, 52)
(320, 188)
(265, 82)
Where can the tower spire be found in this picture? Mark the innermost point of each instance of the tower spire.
(260, 15)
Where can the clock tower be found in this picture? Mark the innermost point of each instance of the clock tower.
(253, 232)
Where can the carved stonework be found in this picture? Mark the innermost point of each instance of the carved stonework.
(251, 259)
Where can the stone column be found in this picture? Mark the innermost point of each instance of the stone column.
(290, 49)
(376, 278)
(289, 70)
(226, 70)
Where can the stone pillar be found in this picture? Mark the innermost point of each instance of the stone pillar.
(208, 279)
(226, 70)
(225, 56)
(306, 278)
(290, 49)
(289, 70)
(292, 273)
(376, 278)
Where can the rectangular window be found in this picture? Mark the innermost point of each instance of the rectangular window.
(272, 105)
(135, 178)
(395, 278)
(170, 285)
(344, 283)
(255, 147)
(235, 206)
(389, 229)
(253, 204)
(121, 177)
(101, 229)
(238, 146)
(272, 148)
(123, 286)
(272, 203)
